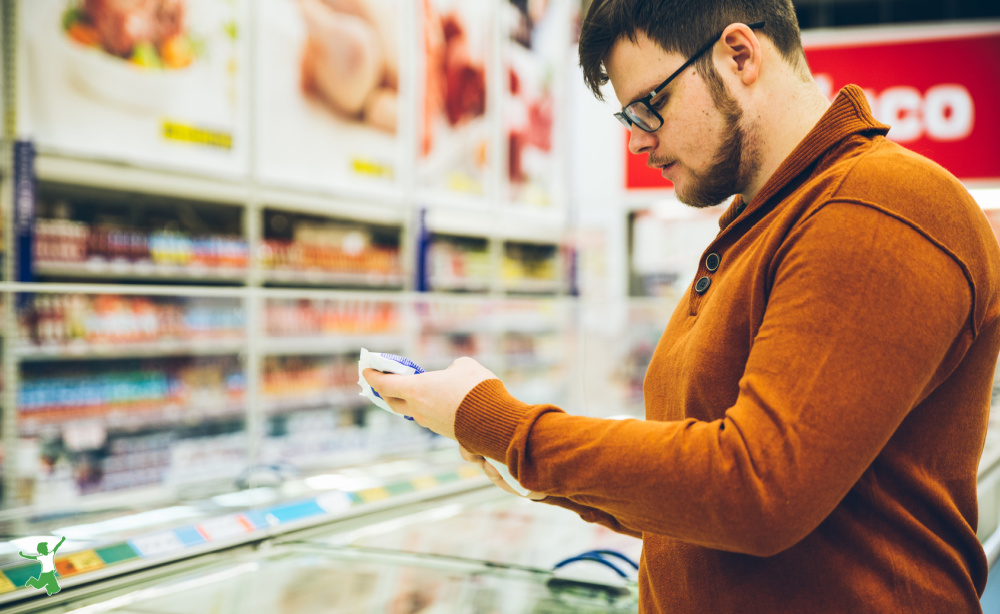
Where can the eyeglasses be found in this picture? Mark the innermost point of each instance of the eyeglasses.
(640, 113)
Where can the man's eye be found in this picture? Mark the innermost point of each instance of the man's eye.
(660, 102)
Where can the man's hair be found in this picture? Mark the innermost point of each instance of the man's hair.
(681, 26)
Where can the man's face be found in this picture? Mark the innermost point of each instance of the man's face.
(703, 146)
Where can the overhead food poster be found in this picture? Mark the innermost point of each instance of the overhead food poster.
(330, 89)
(155, 82)
(455, 131)
(535, 47)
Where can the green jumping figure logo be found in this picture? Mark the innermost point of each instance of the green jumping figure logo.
(46, 579)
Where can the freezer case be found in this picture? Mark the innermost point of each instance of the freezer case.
(479, 551)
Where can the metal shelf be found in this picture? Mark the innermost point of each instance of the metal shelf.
(457, 284)
(122, 419)
(336, 399)
(151, 349)
(329, 345)
(75, 171)
(323, 278)
(534, 286)
(128, 270)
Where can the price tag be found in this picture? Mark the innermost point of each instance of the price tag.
(334, 502)
(84, 435)
(425, 482)
(222, 528)
(156, 544)
(79, 562)
(374, 494)
(6, 585)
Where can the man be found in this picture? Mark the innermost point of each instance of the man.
(817, 405)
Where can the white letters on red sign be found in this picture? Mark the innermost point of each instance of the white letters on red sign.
(944, 112)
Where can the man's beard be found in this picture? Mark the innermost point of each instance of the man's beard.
(736, 161)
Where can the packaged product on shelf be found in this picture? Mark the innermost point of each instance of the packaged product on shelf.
(307, 317)
(61, 319)
(454, 132)
(330, 88)
(459, 263)
(150, 392)
(157, 82)
(534, 56)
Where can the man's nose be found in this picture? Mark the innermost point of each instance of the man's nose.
(639, 140)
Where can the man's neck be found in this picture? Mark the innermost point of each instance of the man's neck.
(783, 122)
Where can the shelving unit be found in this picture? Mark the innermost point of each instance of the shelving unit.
(184, 323)
(177, 325)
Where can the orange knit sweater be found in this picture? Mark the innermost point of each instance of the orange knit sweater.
(815, 416)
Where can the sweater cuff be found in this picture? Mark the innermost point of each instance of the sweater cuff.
(487, 418)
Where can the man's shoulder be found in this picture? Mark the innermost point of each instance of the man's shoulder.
(889, 174)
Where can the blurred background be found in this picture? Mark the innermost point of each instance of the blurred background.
(209, 206)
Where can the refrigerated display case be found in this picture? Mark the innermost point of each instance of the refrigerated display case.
(482, 550)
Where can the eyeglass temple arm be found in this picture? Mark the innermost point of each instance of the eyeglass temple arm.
(753, 26)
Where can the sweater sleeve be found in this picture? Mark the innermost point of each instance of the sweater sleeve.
(865, 317)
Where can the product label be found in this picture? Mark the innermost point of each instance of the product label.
(370, 168)
(79, 562)
(173, 131)
(6, 585)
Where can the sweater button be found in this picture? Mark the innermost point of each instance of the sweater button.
(712, 262)
(702, 285)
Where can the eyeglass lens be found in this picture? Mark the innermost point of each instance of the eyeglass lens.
(643, 116)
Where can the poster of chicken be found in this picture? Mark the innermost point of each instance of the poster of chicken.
(455, 136)
(535, 48)
(330, 89)
(148, 82)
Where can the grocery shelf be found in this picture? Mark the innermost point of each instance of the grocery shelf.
(322, 278)
(131, 271)
(329, 345)
(336, 399)
(126, 419)
(535, 286)
(388, 211)
(457, 284)
(150, 349)
(55, 168)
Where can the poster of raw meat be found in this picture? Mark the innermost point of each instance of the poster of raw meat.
(455, 133)
(148, 82)
(535, 46)
(330, 88)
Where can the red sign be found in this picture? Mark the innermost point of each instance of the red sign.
(937, 87)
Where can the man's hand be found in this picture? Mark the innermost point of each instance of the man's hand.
(493, 475)
(431, 398)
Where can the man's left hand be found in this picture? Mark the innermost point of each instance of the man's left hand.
(430, 398)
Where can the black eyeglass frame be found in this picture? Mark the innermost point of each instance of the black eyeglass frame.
(628, 119)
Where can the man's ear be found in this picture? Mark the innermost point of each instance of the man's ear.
(738, 52)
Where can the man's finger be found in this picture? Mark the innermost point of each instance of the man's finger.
(381, 382)
(472, 457)
(497, 479)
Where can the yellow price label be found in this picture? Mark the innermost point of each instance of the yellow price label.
(174, 131)
(6, 586)
(460, 182)
(370, 168)
(374, 494)
(425, 482)
(82, 562)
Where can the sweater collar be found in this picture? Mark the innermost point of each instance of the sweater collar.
(848, 115)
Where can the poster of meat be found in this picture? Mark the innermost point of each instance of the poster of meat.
(535, 47)
(148, 82)
(455, 132)
(331, 93)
